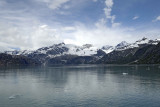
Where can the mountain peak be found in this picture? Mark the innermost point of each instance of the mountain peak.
(144, 40)
(122, 44)
(60, 44)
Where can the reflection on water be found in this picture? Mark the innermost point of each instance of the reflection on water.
(85, 85)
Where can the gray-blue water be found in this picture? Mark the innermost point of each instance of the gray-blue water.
(85, 86)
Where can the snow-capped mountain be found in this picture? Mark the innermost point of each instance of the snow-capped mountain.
(144, 41)
(60, 49)
(86, 54)
(143, 51)
(84, 50)
(124, 45)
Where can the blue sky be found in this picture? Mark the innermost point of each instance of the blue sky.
(31, 24)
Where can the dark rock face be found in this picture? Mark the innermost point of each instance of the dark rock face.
(38, 57)
(72, 59)
(65, 59)
(118, 57)
(146, 54)
(83, 60)
(149, 55)
(6, 59)
(45, 58)
(57, 51)
(100, 53)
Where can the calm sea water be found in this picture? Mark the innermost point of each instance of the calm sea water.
(85, 86)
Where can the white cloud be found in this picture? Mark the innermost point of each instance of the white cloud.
(66, 6)
(54, 4)
(99, 36)
(69, 28)
(13, 37)
(157, 19)
(107, 10)
(5, 47)
(28, 37)
(102, 35)
(114, 25)
(95, 0)
(44, 36)
(135, 17)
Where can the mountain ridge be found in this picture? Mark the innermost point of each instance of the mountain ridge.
(62, 53)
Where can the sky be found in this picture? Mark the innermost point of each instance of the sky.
(31, 24)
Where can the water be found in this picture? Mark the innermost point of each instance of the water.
(85, 86)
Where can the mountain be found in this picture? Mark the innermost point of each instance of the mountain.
(60, 49)
(122, 46)
(137, 53)
(63, 54)
(123, 53)
(148, 55)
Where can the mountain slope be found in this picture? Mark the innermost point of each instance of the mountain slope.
(141, 52)
(6, 59)
(149, 55)
(118, 57)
